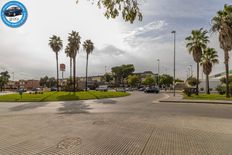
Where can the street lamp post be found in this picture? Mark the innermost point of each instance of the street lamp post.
(191, 70)
(174, 79)
(105, 69)
(158, 60)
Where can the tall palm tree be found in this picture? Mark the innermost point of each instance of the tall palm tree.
(74, 45)
(222, 23)
(69, 54)
(209, 58)
(196, 42)
(89, 47)
(56, 45)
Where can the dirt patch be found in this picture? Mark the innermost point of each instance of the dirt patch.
(68, 143)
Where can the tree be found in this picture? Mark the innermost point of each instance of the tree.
(122, 72)
(127, 70)
(128, 8)
(209, 58)
(223, 79)
(192, 81)
(51, 82)
(69, 54)
(89, 47)
(117, 73)
(133, 80)
(108, 77)
(43, 81)
(74, 45)
(149, 80)
(196, 43)
(222, 23)
(4, 79)
(47, 82)
(56, 45)
(166, 80)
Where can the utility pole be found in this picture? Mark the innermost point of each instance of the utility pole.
(105, 69)
(158, 60)
(191, 70)
(13, 75)
(174, 80)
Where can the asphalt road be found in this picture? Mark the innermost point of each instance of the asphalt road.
(134, 125)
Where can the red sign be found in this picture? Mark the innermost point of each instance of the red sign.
(62, 67)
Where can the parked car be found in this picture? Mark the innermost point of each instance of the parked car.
(13, 11)
(102, 88)
(142, 89)
(22, 90)
(129, 89)
(53, 89)
(120, 90)
(36, 89)
(152, 89)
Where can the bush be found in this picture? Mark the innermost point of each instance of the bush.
(221, 89)
(187, 91)
(192, 81)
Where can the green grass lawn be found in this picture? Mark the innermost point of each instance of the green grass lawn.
(207, 97)
(61, 96)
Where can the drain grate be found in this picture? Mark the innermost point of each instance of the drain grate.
(68, 143)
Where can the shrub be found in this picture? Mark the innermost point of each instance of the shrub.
(187, 91)
(221, 89)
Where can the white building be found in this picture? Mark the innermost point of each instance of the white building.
(214, 80)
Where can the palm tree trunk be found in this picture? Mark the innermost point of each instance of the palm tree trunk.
(71, 68)
(74, 74)
(207, 84)
(86, 81)
(197, 87)
(227, 72)
(57, 72)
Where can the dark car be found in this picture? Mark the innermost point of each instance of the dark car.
(13, 11)
(142, 89)
(22, 90)
(152, 90)
(53, 89)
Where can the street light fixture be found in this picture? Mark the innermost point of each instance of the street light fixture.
(174, 79)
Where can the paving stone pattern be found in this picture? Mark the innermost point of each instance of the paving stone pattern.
(138, 127)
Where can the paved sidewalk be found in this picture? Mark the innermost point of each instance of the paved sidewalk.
(179, 99)
(132, 125)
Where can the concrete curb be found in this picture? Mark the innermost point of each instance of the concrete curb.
(196, 101)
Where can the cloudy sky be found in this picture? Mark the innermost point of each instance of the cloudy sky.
(25, 50)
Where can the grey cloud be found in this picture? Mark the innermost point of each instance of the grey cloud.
(110, 50)
(149, 33)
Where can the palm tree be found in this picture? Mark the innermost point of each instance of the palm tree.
(69, 54)
(56, 45)
(209, 58)
(89, 47)
(195, 44)
(222, 23)
(74, 45)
